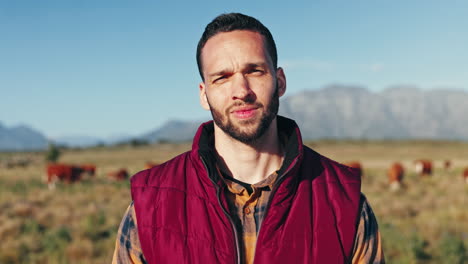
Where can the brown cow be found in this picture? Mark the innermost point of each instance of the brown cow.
(150, 164)
(63, 172)
(89, 169)
(465, 175)
(423, 167)
(395, 176)
(118, 175)
(355, 164)
(447, 165)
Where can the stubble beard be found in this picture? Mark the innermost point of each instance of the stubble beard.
(242, 131)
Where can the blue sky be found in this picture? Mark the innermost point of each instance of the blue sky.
(103, 68)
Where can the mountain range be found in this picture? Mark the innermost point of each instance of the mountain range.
(334, 112)
(399, 112)
(21, 137)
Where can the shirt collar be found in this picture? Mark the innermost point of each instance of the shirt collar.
(237, 187)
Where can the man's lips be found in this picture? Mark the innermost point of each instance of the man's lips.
(244, 112)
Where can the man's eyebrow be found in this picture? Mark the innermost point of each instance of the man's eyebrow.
(258, 64)
(219, 73)
(246, 66)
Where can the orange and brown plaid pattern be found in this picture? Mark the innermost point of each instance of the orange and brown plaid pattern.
(367, 243)
(127, 246)
(247, 206)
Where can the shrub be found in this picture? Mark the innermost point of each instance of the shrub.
(95, 228)
(14, 254)
(395, 244)
(138, 142)
(452, 250)
(56, 240)
(19, 187)
(52, 154)
(401, 248)
(418, 248)
(31, 226)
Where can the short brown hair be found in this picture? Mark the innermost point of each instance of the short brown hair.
(236, 21)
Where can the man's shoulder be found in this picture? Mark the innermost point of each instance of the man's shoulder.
(311, 155)
(144, 177)
(328, 166)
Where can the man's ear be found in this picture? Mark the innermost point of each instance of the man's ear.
(281, 81)
(203, 98)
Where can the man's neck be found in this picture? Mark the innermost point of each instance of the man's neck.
(250, 163)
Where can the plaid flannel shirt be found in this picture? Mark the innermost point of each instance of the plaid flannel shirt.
(247, 208)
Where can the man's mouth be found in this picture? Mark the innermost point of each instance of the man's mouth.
(245, 112)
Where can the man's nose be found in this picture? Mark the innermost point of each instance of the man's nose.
(241, 88)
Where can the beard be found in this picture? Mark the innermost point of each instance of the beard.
(247, 131)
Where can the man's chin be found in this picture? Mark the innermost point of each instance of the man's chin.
(246, 122)
(246, 127)
(245, 134)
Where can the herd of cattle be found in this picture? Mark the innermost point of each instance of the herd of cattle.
(396, 171)
(17, 162)
(69, 173)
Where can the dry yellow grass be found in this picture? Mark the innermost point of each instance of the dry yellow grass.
(424, 222)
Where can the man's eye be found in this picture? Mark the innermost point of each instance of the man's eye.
(256, 71)
(219, 79)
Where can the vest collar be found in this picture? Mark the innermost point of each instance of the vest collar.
(203, 146)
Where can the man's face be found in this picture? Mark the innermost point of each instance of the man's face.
(241, 87)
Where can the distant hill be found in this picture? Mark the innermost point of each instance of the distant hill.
(335, 112)
(399, 112)
(352, 112)
(173, 131)
(21, 137)
(78, 141)
(89, 141)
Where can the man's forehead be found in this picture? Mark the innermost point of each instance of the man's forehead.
(226, 44)
(234, 34)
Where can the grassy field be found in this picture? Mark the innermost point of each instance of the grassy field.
(424, 222)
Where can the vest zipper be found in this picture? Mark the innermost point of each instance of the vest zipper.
(275, 188)
(218, 194)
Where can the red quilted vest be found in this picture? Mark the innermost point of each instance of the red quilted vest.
(182, 211)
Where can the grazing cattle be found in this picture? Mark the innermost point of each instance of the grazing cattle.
(423, 167)
(355, 164)
(18, 163)
(465, 175)
(118, 175)
(447, 165)
(63, 172)
(395, 176)
(150, 164)
(89, 169)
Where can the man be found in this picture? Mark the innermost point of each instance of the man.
(249, 191)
